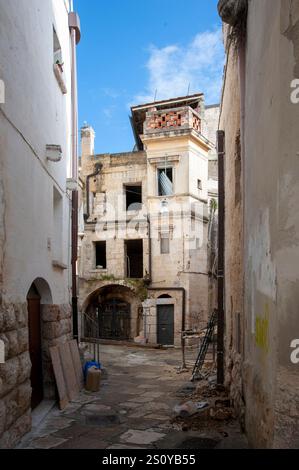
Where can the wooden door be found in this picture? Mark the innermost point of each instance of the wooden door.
(35, 349)
(165, 325)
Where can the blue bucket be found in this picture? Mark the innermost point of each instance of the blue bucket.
(90, 364)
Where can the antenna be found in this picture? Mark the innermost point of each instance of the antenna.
(188, 89)
(156, 92)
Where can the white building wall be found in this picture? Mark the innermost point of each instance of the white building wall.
(35, 113)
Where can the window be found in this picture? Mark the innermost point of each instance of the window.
(101, 259)
(165, 181)
(164, 244)
(134, 259)
(133, 197)
(57, 224)
(199, 185)
(57, 49)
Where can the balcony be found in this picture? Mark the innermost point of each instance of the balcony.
(171, 120)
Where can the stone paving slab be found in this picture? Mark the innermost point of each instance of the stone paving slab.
(133, 409)
(49, 442)
(134, 436)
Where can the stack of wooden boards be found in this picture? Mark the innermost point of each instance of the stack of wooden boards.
(68, 371)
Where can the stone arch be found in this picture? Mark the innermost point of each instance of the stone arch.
(123, 301)
(44, 291)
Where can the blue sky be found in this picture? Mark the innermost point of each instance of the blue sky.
(131, 48)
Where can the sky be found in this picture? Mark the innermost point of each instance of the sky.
(132, 50)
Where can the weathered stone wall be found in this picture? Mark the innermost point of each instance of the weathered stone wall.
(15, 386)
(56, 329)
(270, 173)
(230, 122)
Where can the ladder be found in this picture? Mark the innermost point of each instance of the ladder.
(204, 346)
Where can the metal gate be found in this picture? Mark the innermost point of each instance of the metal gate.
(114, 320)
(165, 325)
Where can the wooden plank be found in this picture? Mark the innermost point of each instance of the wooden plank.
(68, 371)
(59, 377)
(77, 363)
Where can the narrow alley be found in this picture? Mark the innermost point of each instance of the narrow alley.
(149, 228)
(134, 409)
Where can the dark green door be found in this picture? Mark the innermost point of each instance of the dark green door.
(165, 324)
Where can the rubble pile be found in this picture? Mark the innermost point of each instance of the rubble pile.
(203, 404)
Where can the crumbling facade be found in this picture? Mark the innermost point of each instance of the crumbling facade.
(143, 270)
(259, 115)
(35, 159)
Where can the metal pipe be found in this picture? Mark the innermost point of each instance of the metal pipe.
(74, 107)
(183, 290)
(74, 263)
(74, 173)
(221, 235)
(149, 248)
(242, 80)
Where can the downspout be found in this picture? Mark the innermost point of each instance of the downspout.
(183, 290)
(220, 276)
(242, 80)
(74, 25)
(149, 250)
(98, 168)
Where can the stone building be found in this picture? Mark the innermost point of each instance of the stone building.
(259, 115)
(35, 162)
(143, 268)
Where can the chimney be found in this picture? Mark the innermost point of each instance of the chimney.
(87, 148)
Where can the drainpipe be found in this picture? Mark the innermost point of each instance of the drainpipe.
(74, 26)
(242, 80)
(98, 168)
(183, 290)
(149, 249)
(221, 235)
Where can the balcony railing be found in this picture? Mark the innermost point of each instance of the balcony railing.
(172, 119)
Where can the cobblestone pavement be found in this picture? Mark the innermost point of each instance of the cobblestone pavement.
(134, 408)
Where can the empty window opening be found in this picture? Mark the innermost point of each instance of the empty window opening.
(134, 259)
(101, 257)
(133, 197)
(164, 244)
(57, 49)
(165, 181)
(199, 185)
(165, 296)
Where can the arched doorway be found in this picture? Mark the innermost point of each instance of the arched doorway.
(112, 313)
(38, 295)
(35, 345)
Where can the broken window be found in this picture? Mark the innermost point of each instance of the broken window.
(133, 197)
(134, 259)
(101, 258)
(165, 181)
(164, 243)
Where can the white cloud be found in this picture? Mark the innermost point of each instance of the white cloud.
(172, 68)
